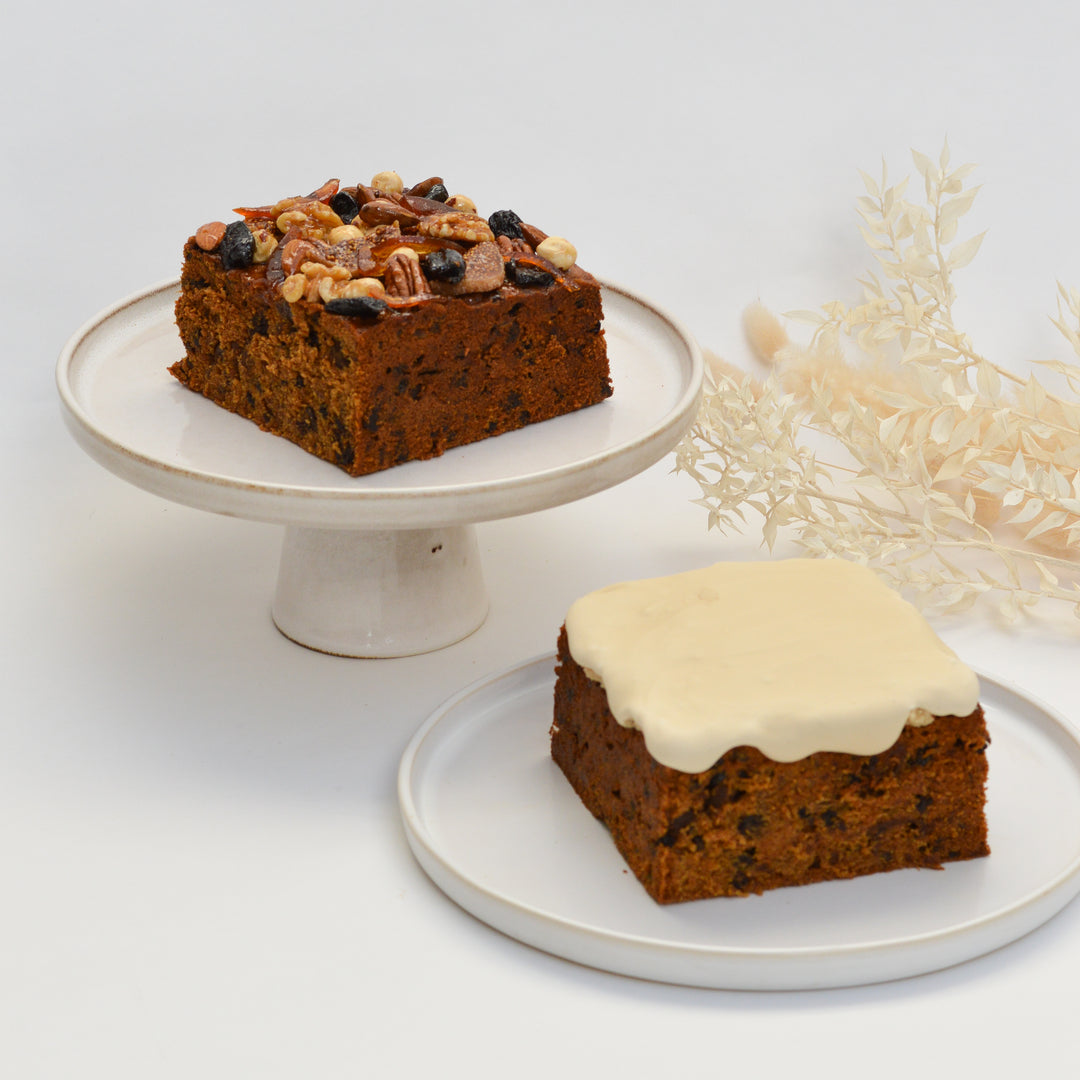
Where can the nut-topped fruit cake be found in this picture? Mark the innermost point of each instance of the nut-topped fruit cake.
(751, 726)
(378, 323)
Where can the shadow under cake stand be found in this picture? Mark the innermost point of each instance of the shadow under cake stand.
(381, 565)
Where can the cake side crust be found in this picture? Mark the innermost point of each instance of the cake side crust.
(749, 824)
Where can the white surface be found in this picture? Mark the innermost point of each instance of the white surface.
(204, 868)
(129, 413)
(542, 870)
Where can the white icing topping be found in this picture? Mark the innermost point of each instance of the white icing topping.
(792, 657)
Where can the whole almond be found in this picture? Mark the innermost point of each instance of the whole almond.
(209, 236)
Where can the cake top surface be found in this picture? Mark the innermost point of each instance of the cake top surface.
(792, 657)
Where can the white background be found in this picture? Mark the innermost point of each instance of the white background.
(203, 870)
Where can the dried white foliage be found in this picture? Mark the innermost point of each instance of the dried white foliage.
(950, 475)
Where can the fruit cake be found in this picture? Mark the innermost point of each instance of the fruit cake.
(752, 726)
(376, 324)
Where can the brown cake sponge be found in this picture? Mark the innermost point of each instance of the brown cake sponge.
(749, 823)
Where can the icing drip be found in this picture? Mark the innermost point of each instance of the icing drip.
(791, 657)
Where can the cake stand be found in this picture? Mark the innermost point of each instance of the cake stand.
(381, 565)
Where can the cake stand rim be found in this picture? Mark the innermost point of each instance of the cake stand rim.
(384, 508)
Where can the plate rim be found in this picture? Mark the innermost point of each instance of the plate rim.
(339, 504)
(1040, 904)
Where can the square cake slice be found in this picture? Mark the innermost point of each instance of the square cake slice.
(374, 324)
(752, 726)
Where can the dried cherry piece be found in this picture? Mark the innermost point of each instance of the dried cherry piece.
(237, 247)
(506, 223)
(445, 265)
(364, 307)
(344, 205)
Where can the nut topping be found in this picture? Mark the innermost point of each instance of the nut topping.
(462, 203)
(297, 252)
(512, 246)
(403, 278)
(386, 243)
(265, 244)
(387, 212)
(558, 251)
(534, 235)
(456, 226)
(209, 236)
(387, 182)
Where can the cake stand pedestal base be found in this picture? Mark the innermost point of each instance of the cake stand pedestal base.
(394, 592)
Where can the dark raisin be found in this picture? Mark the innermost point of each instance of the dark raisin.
(751, 825)
(526, 276)
(446, 265)
(344, 205)
(718, 793)
(237, 248)
(506, 223)
(437, 192)
(676, 827)
(924, 755)
(364, 307)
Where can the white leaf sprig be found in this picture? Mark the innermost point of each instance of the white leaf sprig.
(951, 475)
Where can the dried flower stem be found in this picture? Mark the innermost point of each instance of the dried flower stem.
(951, 475)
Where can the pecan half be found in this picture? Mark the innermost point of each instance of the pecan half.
(404, 279)
(297, 252)
(510, 246)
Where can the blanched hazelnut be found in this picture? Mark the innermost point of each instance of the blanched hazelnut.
(558, 251)
(388, 182)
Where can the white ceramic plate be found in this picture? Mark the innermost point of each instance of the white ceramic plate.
(494, 823)
(131, 415)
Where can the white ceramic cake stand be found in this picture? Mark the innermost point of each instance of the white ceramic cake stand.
(388, 564)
